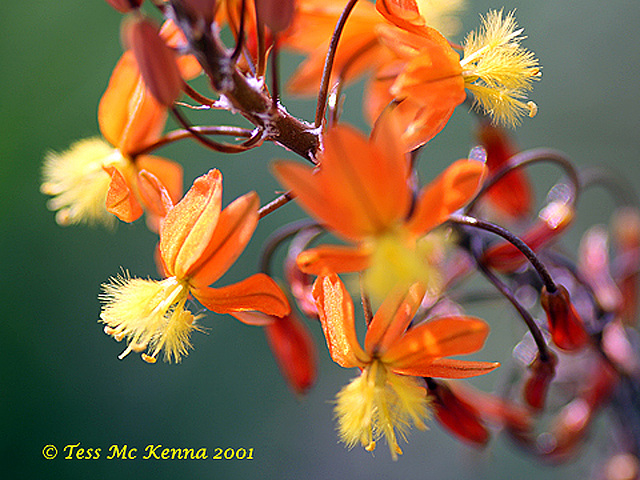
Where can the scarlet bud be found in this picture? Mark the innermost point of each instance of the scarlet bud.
(565, 325)
(458, 416)
(537, 385)
(156, 61)
(294, 350)
(512, 194)
(125, 6)
(276, 14)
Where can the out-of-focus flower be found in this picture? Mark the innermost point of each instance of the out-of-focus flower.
(361, 192)
(198, 244)
(96, 178)
(387, 398)
(565, 324)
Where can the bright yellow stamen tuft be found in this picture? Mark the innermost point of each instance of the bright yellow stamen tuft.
(77, 182)
(397, 260)
(150, 314)
(380, 402)
(498, 70)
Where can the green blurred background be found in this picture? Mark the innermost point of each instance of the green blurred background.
(60, 380)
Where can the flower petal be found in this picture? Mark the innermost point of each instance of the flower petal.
(121, 201)
(335, 310)
(168, 172)
(257, 293)
(327, 259)
(233, 231)
(392, 318)
(451, 190)
(189, 226)
(437, 338)
(448, 368)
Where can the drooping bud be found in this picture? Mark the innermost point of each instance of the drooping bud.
(456, 415)
(125, 6)
(294, 350)
(156, 61)
(626, 236)
(512, 194)
(566, 326)
(276, 14)
(537, 385)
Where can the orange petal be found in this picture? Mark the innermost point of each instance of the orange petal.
(437, 338)
(154, 195)
(233, 231)
(128, 115)
(451, 190)
(257, 293)
(189, 226)
(392, 318)
(327, 259)
(173, 36)
(120, 199)
(448, 368)
(335, 310)
(169, 173)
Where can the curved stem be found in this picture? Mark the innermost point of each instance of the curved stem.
(275, 204)
(328, 64)
(514, 240)
(240, 36)
(282, 234)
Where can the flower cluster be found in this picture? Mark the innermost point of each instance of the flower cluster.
(407, 248)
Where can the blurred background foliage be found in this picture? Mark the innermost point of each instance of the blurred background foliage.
(60, 380)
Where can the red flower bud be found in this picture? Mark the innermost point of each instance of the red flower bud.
(156, 61)
(276, 14)
(565, 325)
(294, 350)
(537, 385)
(458, 416)
(125, 6)
(626, 235)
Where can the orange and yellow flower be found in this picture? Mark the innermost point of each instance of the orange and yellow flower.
(361, 192)
(99, 177)
(387, 397)
(198, 244)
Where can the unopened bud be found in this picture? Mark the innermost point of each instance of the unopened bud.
(125, 6)
(294, 350)
(121, 201)
(276, 14)
(156, 61)
(537, 385)
(566, 326)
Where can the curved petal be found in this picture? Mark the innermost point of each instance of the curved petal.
(451, 190)
(335, 310)
(448, 368)
(233, 231)
(167, 171)
(257, 293)
(437, 338)
(327, 259)
(189, 225)
(392, 318)
(121, 201)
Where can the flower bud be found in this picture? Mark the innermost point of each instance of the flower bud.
(125, 6)
(626, 236)
(276, 14)
(157, 62)
(565, 325)
(537, 385)
(294, 350)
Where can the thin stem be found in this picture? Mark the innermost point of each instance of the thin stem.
(262, 45)
(538, 338)
(275, 204)
(328, 64)
(366, 301)
(197, 96)
(240, 36)
(514, 240)
(207, 142)
(275, 80)
(282, 234)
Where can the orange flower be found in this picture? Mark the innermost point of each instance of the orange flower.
(94, 170)
(198, 244)
(361, 192)
(387, 397)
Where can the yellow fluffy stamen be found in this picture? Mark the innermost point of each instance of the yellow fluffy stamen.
(150, 314)
(498, 70)
(378, 403)
(77, 183)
